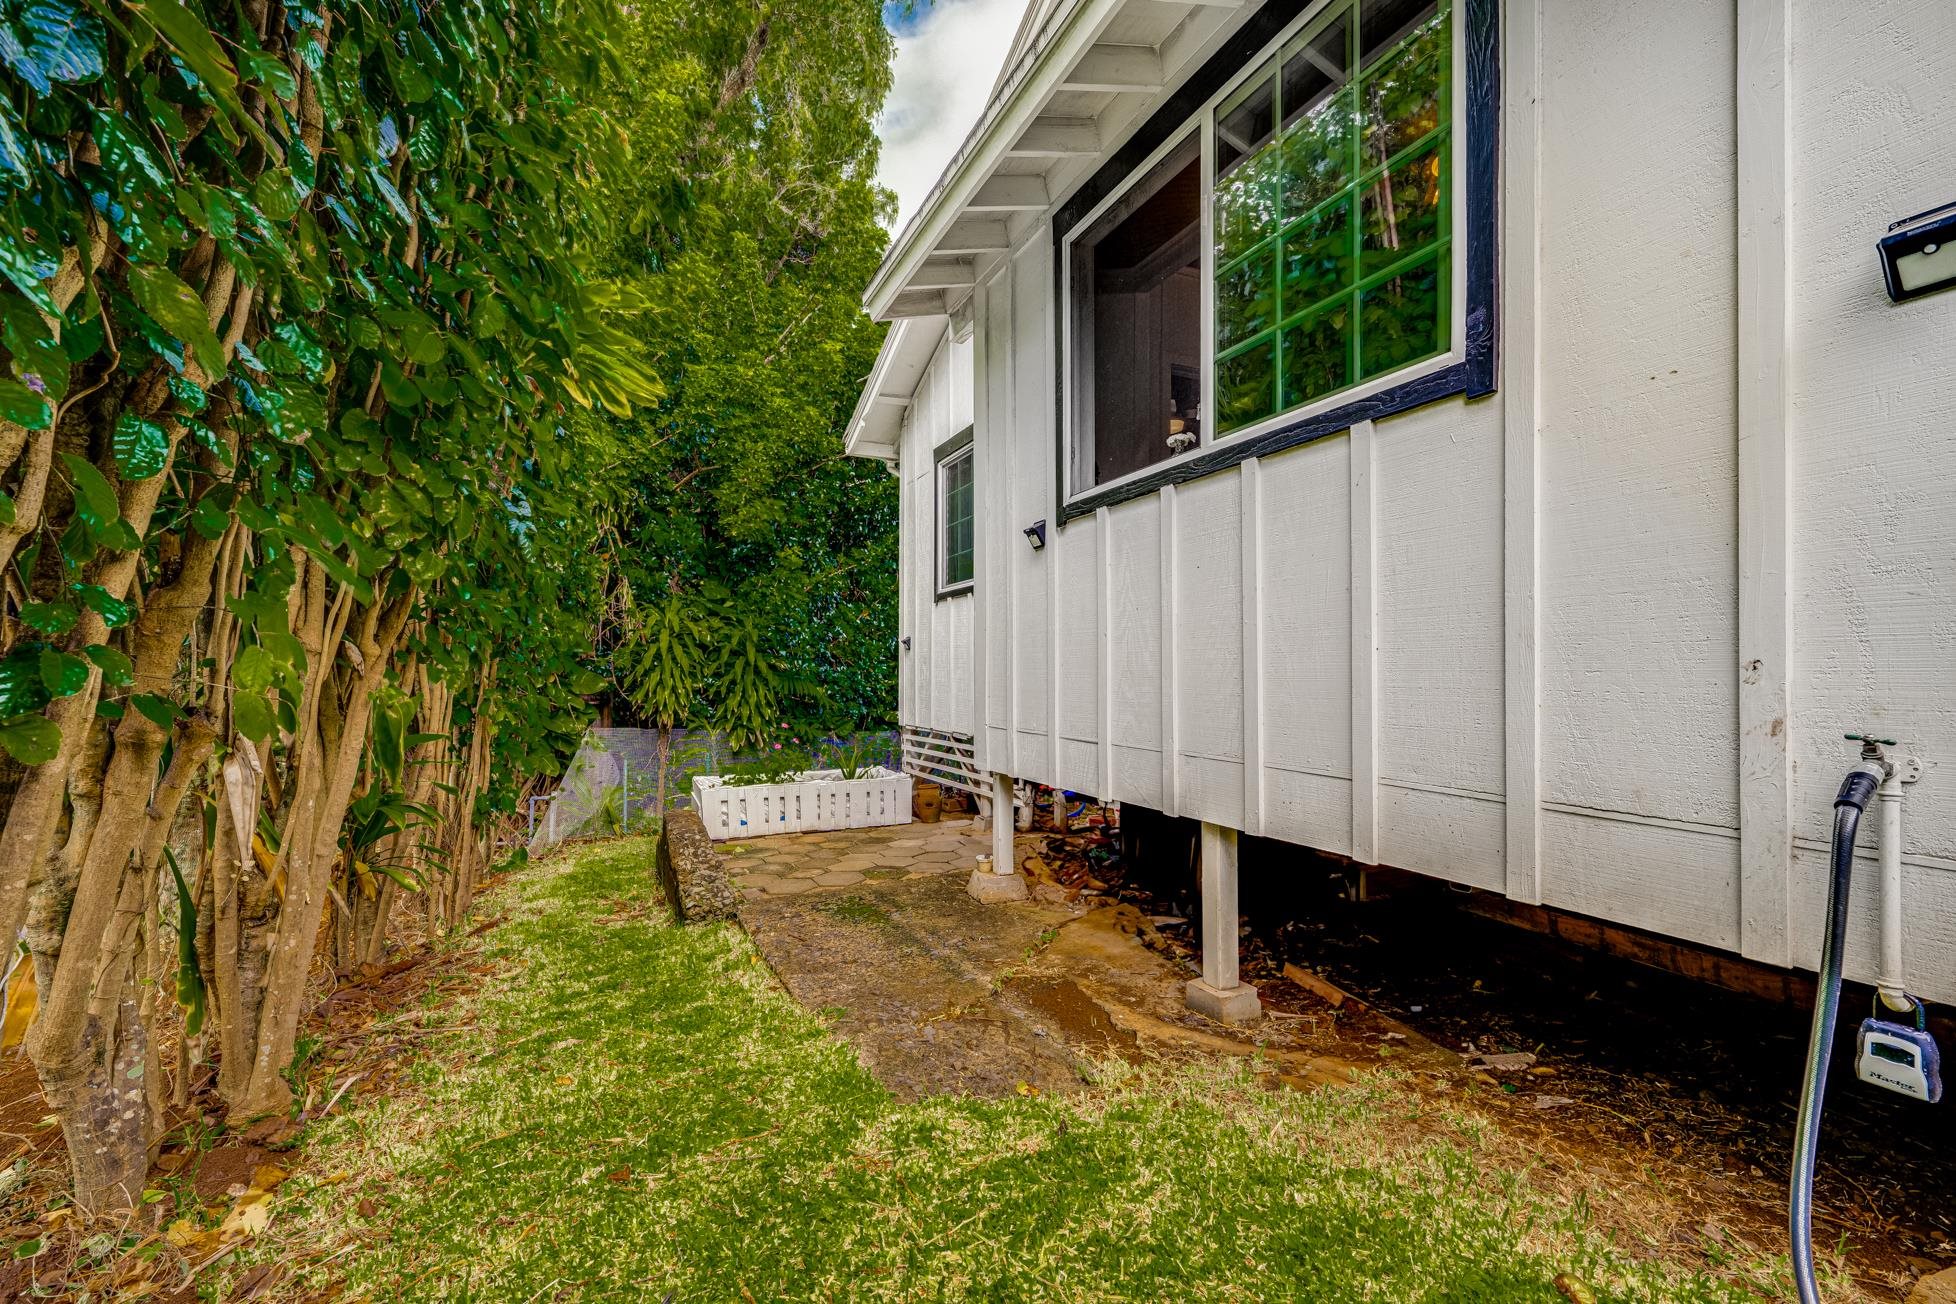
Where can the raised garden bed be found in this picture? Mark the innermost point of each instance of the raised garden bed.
(807, 802)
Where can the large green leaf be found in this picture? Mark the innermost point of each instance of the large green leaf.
(51, 618)
(210, 517)
(118, 671)
(252, 715)
(20, 262)
(115, 613)
(158, 710)
(128, 159)
(31, 739)
(188, 393)
(95, 498)
(141, 447)
(252, 671)
(63, 673)
(48, 41)
(21, 686)
(178, 310)
(269, 72)
(39, 358)
(23, 406)
(197, 47)
(16, 158)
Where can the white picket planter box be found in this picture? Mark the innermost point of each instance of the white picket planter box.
(811, 802)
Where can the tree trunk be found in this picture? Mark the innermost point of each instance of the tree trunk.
(83, 1040)
(333, 739)
(99, 1093)
(372, 944)
(234, 971)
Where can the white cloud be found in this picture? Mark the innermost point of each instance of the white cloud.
(945, 66)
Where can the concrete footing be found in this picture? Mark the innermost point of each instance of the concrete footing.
(1238, 1004)
(989, 887)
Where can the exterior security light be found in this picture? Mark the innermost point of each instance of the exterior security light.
(1036, 535)
(1918, 255)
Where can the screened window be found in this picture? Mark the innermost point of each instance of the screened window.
(956, 503)
(1331, 210)
(1136, 296)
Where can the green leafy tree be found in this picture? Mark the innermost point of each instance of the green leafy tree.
(752, 247)
(297, 308)
(666, 660)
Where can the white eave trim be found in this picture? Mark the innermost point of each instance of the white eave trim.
(876, 426)
(975, 210)
(1011, 111)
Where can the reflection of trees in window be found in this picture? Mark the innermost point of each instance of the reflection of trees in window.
(1332, 230)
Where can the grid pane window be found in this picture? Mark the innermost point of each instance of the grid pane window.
(1332, 232)
(957, 547)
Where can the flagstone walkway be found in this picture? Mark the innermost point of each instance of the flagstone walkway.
(792, 863)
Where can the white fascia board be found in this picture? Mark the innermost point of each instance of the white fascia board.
(876, 426)
(1003, 121)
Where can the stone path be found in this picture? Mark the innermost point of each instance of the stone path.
(793, 863)
(873, 928)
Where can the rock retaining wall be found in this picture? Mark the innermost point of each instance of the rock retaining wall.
(690, 872)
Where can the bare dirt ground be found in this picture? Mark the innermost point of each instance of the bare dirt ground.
(359, 1037)
(1601, 1080)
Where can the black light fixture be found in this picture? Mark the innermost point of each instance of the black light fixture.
(1036, 535)
(1918, 255)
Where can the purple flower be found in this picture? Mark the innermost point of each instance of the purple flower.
(35, 383)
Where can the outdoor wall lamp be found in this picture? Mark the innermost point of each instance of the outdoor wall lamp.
(1918, 255)
(1036, 535)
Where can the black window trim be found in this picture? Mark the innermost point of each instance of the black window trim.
(1473, 376)
(956, 445)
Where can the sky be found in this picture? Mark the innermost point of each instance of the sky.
(948, 54)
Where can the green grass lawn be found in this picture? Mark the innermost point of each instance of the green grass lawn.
(631, 1110)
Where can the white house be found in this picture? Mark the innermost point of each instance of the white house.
(1469, 437)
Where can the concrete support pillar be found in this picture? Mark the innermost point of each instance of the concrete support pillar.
(1002, 882)
(1002, 825)
(1219, 992)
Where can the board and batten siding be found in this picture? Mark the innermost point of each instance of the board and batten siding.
(935, 677)
(1593, 640)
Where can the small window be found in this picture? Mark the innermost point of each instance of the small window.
(1137, 323)
(956, 503)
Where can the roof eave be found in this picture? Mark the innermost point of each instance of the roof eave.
(875, 429)
(1010, 110)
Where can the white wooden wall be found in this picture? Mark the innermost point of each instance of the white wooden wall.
(935, 676)
(1591, 641)
(1871, 388)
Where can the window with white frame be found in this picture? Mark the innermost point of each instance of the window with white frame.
(956, 509)
(1294, 251)
(1136, 276)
